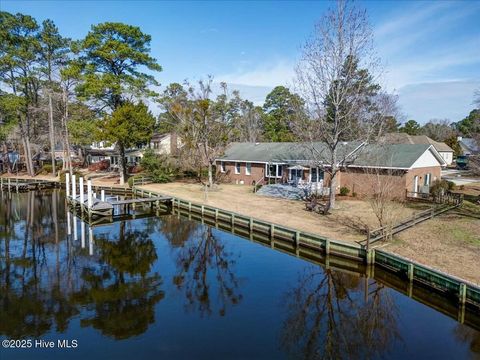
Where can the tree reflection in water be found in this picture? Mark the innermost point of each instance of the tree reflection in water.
(470, 336)
(121, 292)
(205, 273)
(327, 319)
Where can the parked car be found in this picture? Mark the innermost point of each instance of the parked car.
(462, 162)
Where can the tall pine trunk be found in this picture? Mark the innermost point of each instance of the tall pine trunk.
(123, 165)
(52, 135)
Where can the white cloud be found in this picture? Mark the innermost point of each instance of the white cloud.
(264, 75)
(439, 100)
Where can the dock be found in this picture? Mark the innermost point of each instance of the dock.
(105, 206)
(22, 185)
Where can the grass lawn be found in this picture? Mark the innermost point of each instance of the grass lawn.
(450, 242)
(346, 222)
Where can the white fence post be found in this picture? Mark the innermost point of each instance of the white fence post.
(67, 184)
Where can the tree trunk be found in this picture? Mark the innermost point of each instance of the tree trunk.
(210, 174)
(28, 157)
(122, 164)
(52, 135)
(333, 186)
(67, 139)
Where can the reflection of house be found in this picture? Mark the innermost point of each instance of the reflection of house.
(410, 167)
(469, 146)
(401, 138)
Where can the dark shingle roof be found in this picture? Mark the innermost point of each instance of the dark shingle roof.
(403, 138)
(376, 155)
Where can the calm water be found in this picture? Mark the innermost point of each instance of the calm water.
(172, 288)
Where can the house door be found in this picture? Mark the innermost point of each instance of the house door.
(415, 184)
(295, 175)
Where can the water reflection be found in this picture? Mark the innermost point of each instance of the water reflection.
(206, 274)
(120, 291)
(58, 274)
(326, 319)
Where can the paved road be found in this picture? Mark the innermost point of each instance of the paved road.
(458, 177)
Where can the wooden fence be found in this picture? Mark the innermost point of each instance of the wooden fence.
(386, 232)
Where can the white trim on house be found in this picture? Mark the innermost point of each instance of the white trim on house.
(238, 168)
(222, 167)
(248, 168)
(429, 158)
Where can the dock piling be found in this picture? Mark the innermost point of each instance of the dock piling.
(74, 188)
(82, 195)
(67, 184)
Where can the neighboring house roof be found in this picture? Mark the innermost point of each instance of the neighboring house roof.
(469, 145)
(398, 156)
(403, 138)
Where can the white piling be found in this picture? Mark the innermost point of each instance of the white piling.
(75, 234)
(74, 188)
(82, 228)
(89, 193)
(82, 197)
(67, 184)
(90, 240)
(102, 195)
(69, 225)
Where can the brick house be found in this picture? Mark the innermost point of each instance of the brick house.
(408, 167)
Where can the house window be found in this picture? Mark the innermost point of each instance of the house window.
(237, 168)
(275, 170)
(316, 174)
(222, 167)
(427, 180)
(248, 168)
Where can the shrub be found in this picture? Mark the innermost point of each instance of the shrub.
(131, 178)
(64, 172)
(46, 169)
(159, 167)
(354, 194)
(99, 166)
(440, 187)
(344, 191)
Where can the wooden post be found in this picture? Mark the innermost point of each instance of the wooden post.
(250, 224)
(90, 241)
(272, 231)
(297, 239)
(8, 184)
(67, 184)
(102, 195)
(432, 213)
(216, 215)
(233, 220)
(190, 206)
(82, 195)
(462, 296)
(69, 225)
(89, 195)
(74, 188)
(203, 210)
(82, 235)
(410, 271)
(327, 246)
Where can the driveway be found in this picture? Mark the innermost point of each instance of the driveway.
(458, 177)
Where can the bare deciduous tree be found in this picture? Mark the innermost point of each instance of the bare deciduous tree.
(335, 78)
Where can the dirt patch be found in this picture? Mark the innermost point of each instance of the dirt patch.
(342, 224)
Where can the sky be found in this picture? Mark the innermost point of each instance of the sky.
(430, 50)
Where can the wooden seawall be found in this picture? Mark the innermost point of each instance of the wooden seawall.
(463, 292)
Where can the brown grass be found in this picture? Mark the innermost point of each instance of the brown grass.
(344, 223)
(450, 242)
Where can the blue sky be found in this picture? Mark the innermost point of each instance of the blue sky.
(430, 50)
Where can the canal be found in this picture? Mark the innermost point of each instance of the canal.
(169, 287)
